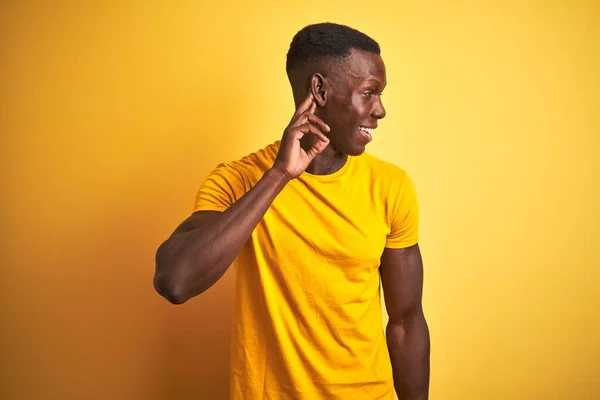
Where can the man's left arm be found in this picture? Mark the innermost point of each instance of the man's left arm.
(407, 332)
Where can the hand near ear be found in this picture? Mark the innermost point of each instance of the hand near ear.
(292, 158)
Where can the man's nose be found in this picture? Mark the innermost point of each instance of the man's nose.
(378, 110)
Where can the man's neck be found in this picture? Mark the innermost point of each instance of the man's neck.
(328, 162)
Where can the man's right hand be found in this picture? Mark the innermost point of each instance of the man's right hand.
(292, 158)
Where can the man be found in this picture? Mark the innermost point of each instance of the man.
(314, 223)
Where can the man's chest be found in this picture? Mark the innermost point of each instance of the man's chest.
(346, 228)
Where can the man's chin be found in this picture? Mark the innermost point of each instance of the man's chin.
(350, 149)
(357, 150)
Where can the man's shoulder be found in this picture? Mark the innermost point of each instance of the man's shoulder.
(267, 153)
(256, 162)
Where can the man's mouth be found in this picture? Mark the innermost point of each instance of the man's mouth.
(367, 130)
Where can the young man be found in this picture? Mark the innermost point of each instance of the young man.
(314, 223)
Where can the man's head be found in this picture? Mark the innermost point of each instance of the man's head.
(343, 69)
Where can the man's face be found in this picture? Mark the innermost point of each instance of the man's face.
(353, 107)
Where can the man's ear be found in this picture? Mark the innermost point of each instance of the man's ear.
(319, 87)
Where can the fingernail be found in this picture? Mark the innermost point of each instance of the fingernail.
(328, 128)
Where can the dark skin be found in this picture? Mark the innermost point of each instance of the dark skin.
(348, 95)
(406, 332)
(323, 131)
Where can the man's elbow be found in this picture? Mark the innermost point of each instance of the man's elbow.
(169, 288)
(167, 281)
(406, 328)
(408, 318)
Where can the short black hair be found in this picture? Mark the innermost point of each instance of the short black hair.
(327, 40)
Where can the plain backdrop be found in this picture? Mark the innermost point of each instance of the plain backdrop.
(112, 114)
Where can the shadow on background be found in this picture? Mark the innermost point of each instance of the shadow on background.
(194, 357)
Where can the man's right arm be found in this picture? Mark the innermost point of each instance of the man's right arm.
(203, 247)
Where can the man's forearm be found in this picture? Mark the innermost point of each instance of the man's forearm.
(408, 344)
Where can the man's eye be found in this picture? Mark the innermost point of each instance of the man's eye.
(368, 95)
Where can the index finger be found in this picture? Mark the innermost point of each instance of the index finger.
(305, 105)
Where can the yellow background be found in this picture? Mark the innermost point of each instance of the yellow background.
(112, 114)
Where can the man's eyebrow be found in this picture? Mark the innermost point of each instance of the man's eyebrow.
(373, 80)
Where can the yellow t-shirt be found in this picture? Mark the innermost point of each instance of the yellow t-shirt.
(307, 317)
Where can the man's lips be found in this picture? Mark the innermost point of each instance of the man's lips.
(366, 132)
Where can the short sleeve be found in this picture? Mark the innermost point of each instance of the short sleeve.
(404, 229)
(223, 187)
